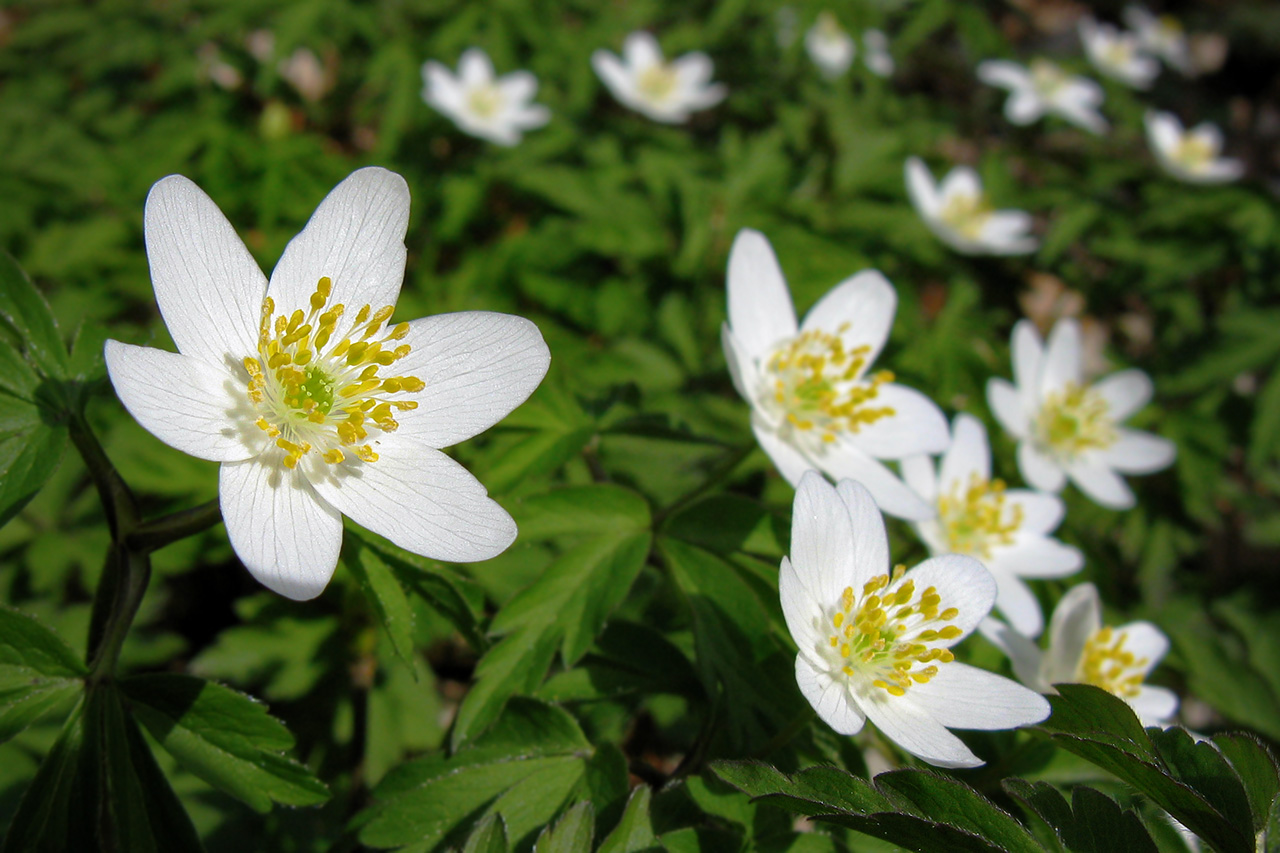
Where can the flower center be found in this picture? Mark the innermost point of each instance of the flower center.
(974, 518)
(1194, 152)
(884, 634)
(1107, 664)
(1046, 78)
(815, 385)
(967, 214)
(484, 101)
(657, 82)
(1074, 420)
(1118, 52)
(315, 392)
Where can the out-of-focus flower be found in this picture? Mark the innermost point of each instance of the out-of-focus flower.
(830, 47)
(815, 403)
(306, 73)
(1066, 427)
(290, 384)
(215, 68)
(1007, 529)
(664, 91)
(498, 110)
(1162, 36)
(1084, 651)
(875, 53)
(1191, 155)
(1043, 88)
(958, 212)
(875, 642)
(261, 44)
(1116, 54)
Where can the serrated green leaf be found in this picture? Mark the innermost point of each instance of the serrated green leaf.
(515, 664)
(30, 451)
(634, 833)
(489, 836)
(225, 738)
(26, 696)
(572, 833)
(26, 643)
(1045, 802)
(1102, 827)
(1258, 770)
(24, 310)
(385, 595)
(950, 801)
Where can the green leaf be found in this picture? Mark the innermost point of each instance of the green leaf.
(225, 738)
(26, 643)
(572, 833)
(598, 510)
(634, 833)
(514, 665)
(379, 584)
(489, 836)
(24, 310)
(1258, 770)
(31, 446)
(26, 697)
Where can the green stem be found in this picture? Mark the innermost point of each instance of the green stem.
(158, 532)
(721, 473)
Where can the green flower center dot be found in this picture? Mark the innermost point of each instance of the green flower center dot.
(318, 388)
(1074, 420)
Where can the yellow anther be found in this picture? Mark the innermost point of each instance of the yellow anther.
(838, 619)
(1106, 663)
(333, 456)
(950, 632)
(365, 452)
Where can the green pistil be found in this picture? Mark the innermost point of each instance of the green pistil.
(318, 388)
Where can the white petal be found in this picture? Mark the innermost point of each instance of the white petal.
(477, 366)
(800, 608)
(693, 70)
(1023, 108)
(518, 86)
(760, 310)
(1017, 603)
(829, 698)
(1040, 470)
(1164, 131)
(1027, 352)
(917, 425)
(920, 474)
(641, 51)
(1063, 358)
(791, 462)
(1041, 513)
(870, 542)
(1024, 655)
(894, 497)
(968, 457)
(917, 733)
(960, 181)
(963, 583)
(965, 697)
(1035, 556)
(1136, 452)
(742, 368)
(421, 500)
(208, 286)
(1008, 407)
(867, 302)
(614, 75)
(1003, 73)
(1145, 641)
(441, 88)
(920, 188)
(1125, 392)
(285, 535)
(1005, 233)
(1103, 486)
(474, 68)
(356, 237)
(1077, 617)
(706, 97)
(187, 403)
(822, 541)
(1155, 706)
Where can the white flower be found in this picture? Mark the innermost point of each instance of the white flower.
(875, 53)
(1116, 54)
(312, 78)
(815, 402)
(1066, 427)
(875, 642)
(1083, 651)
(829, 46)
(1162, 36)
(664, 91)
(498, 110)
(1007, 529)
(1043, 88)
(958, 212)
(314, 405)
(1190, 155)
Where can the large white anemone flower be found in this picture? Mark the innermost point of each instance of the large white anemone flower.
(1162, 36)
(664, 91)
(499, 110)
(1191, 155)
(815, 402)
(1007, 529)
(1118, 55)
(1084, 651)
(830, 46)
(959, 213)
(1066, 427)
(875, 642)
(314, 404)
(1042, 88)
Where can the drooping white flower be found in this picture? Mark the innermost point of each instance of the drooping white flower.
(875, 53)
(314, 405)
(958, 212)
(1191, 155)
(1162, 36)
(875, 642)
(1083, 651)
(830, 47)
(1043, 88)
(1117, 54)
(499, 110)
(1066, 427)
(664, 91)
(1007, 529)
(815, 402)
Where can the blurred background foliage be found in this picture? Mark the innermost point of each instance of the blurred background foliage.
(637, 614)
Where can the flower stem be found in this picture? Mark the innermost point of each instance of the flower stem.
(158, 532)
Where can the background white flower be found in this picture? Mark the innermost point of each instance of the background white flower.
(815, 402)
(830, 47)
(664, 91)
(1043, 88)
(1191, 155)
(1162, 36)
(958, 212)
(499, 110)
(1083, 651)
(314, 405)
(874, 642)
(1066, 427)
(1006, 529)
(875, 53)
(1117, 54)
